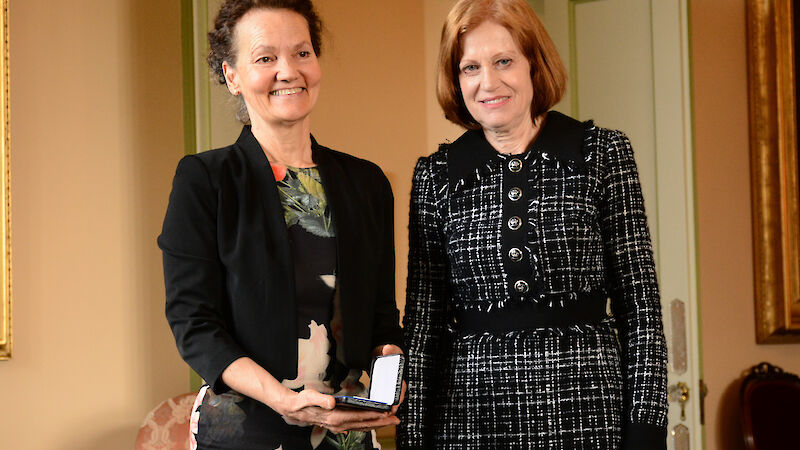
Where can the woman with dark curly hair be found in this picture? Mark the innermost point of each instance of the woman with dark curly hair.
(278, 252)
(520, 232)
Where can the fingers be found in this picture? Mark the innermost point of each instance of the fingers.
(344, 415)
(391, 349)
(310, 397)
(367, 425)
(387, 349)
(402, 397)
(339, 420)
(372, 428)
(293, 421)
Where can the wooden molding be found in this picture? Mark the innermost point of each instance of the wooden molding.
(774, 170)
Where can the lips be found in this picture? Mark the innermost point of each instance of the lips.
(289, 91)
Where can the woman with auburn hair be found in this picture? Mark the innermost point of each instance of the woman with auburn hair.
(278, 252)
(520, 232)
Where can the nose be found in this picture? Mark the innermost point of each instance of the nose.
(489, 79)
(286, 70)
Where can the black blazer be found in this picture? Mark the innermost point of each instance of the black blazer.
(228, 269)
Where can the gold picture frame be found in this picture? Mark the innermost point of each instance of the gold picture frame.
(774, 170)
(5, 192)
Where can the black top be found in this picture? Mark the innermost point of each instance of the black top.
(312, 238)
(228, 267)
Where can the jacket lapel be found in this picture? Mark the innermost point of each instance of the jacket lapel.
(339, 191)
(275, 235)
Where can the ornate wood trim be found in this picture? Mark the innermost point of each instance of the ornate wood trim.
(774, 170)
(5, 192)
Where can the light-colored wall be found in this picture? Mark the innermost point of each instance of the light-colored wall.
(96, 132)
(439, 129)
(724, 216)
(372, 98)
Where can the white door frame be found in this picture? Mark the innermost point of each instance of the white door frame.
(671, 213)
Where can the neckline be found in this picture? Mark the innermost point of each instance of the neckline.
(294, 168)
(561, 137)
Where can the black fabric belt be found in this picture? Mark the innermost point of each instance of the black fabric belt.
(586, 309)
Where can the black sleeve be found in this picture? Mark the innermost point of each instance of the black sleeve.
(634, 298)
(386, 324)
(194, 275)
(426, 295)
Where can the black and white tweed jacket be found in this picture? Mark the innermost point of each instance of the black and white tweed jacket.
(582, 230)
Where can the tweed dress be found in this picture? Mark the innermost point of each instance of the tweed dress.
(599, 385)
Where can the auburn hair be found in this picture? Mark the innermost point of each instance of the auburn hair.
(548, 74)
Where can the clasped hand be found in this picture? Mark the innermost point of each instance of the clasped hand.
(310, 407)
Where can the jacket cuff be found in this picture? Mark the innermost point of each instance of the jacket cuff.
(214, 370)
(643, 436)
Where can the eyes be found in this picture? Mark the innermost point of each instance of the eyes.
(472, 68)
(266, 59)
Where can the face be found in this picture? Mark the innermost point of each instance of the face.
(276, 70)
(495, 78)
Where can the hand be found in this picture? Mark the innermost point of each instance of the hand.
(310, 407)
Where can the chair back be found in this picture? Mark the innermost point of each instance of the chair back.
(166, 427)
(770, 408)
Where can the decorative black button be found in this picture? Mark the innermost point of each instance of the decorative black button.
(515, 165)
(515, 254)
(521, 286)
(514, 223)
(515, 194)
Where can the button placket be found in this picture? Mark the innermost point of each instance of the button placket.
(513, 233)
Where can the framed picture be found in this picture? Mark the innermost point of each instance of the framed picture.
(774, 169)
(5, 201)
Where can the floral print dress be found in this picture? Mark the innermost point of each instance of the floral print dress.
(233, 421)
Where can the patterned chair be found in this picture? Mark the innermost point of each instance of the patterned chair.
(770, 408)
(166, 427)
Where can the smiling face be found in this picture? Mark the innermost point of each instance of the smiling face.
(495, 79)
(276, 70)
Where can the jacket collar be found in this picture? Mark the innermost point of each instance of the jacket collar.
(340, 194)
(255, 154)
(248, 143)
(561, 137)
(336, 191)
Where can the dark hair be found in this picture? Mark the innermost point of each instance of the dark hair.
(548, 74)
(221, 39)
